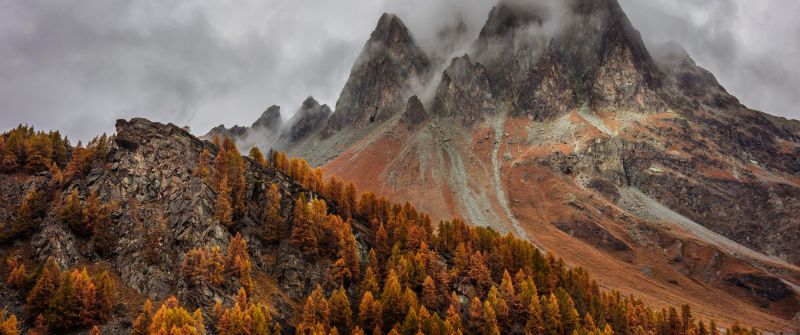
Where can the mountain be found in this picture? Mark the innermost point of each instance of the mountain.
(384, 71)
(277, 250)
(581, 184)
(560, 126)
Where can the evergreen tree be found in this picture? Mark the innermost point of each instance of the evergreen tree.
(369, 312)
(257, 156)
(392, 300)
(222, 208)
(551, 315)
(46, 285)
(570, 318)
(105, 298)
(535, 324)
(142, 322)
(341, 314)
(304, 236)
(273, 222)
(203, 168)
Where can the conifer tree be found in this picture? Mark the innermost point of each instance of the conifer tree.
(430, 295)
(56, 176)
(369, 312)
(349, 203)
(142, 322)
(304, 236)
(551, 315)
(490, 326)
(316, 311)
(369, 283)
(392, 300)
(273, 223)
(475, 319)
(341, 314)
(29, 214)
(71, 213)
(347, 250)
(171, 315)
(222, 208)
(535, 323)
(105, 298)
(410, 324)
(570, 318)
(256, 155)
(40, 153)
(46, 285)
(237, 261)
(203, 168)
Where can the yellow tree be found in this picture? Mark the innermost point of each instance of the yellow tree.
(257, 156)
(222, 208)
(273, 222)
(341, 314)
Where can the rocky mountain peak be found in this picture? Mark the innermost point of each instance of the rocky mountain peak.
(464, 92)
(310, 117)
(391, 31)
(380, 78)
(270, 119)
(583, 52)
(507, 16)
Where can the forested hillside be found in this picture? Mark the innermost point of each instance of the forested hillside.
(373, 267)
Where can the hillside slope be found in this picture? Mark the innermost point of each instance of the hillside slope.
(275, 250)
(562, 127)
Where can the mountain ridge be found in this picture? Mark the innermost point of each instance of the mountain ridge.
(586, 108)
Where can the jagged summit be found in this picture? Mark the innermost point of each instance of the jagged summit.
(270, 119)
(588, 50)
(380, 78)
(464, 92)
(392, 31)
(309, 118)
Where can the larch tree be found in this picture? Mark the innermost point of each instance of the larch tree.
(256, 155)
(223, 211)
(304, 236)
(369, 312)
(341, 313)
(203, 168)
(535, 323)
(392, 300)
(39, 297)
(273, 222)
(551, 315)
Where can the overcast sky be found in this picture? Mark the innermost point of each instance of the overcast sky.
(78, 66)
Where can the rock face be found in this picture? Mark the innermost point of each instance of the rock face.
(148, 173)
(268, 122)
(549, 60)
(464, 93)
(310, 118)
(384, 71)
(415, 113)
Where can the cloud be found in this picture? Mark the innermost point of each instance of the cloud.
(750, 46)
(79, 66)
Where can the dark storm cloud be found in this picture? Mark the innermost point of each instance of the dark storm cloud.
(78, 66)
